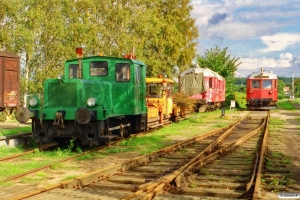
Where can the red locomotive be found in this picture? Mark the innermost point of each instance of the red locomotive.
(261, 89)
(205, 86)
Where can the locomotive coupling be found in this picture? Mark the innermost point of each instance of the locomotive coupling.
(23, 114)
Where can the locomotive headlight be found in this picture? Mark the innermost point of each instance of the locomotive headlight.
(91, 102)
(32, 101)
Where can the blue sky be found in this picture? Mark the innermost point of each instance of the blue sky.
(261, 33)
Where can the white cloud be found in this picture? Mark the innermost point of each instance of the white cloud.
(244, 25)
(286, 56)
(257, 63)
(279, 42)
(296, 61)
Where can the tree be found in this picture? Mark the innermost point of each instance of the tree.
(46, 33)
(297, 87)
(219, 61)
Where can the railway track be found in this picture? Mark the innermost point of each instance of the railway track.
(41, 148)
(174, 171)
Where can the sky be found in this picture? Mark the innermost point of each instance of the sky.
(261, 33)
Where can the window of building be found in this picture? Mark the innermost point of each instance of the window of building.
(99, 68)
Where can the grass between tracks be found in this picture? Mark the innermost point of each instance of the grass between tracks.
(195, 125)
(13, 131)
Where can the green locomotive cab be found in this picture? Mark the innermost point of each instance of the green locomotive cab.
(97, 98)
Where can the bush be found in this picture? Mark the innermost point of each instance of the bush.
(239, 97)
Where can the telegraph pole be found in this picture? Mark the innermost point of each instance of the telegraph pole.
(293, 88)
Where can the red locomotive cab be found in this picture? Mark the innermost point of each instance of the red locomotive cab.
(261, 92)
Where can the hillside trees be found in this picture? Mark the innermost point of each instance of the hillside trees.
(46, 33)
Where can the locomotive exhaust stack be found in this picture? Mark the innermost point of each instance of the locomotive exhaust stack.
(79, 54)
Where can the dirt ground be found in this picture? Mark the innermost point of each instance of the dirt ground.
(289, 142)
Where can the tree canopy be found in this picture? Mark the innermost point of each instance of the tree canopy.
(221, 62)
(46, 33)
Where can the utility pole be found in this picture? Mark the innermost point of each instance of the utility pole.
(293, 88)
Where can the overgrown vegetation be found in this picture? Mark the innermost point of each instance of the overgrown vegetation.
(31, 161)
(183, 102)
(286, 105)
(41, 34)
(13, 131)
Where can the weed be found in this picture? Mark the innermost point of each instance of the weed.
(13, 131)
(286, 105)
(68, 177)
(275, 122)
(126, 142)
(114, 150)
(31, 179)
(78, 150)
(6, 184)
(275, 181)
(193, 185)
(56, 166)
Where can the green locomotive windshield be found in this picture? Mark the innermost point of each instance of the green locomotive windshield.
(122, 72)
(99, 68)
(73, 70)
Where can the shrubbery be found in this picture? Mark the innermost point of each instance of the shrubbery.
(239, 97)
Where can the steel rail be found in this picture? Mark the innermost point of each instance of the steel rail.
(152, 188)
(256, 192)
(103, 173)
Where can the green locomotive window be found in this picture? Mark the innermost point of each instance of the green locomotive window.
(73, 70)
(99, 68)
(122, 72)
(267, 84)
(137, 74)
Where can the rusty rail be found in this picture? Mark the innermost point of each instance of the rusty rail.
(103, 173)
(256, 192)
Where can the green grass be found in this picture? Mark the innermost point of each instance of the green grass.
(68, 177)
(276, 122)
(7, 151)
(5, 132)
(195, 125)
(199, 124)
(286, 105)
(31, 161)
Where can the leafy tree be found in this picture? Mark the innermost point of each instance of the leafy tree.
(280, 89)
(297, 87)
(219, 61)
(46, 33)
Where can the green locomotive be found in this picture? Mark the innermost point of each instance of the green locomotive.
(97, 98)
